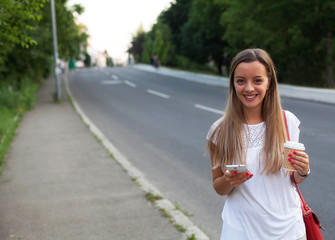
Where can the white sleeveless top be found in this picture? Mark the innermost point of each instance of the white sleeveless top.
(264, 207)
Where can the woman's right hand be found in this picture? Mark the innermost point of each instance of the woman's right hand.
(237, 179)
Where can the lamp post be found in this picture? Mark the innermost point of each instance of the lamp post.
(54, 36)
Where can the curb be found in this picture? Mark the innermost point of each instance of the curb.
(178, 218)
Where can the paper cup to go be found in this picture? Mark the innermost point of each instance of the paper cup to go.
(290, 147)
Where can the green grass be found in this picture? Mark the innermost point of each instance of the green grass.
(8, 124)
(192, 237)
(134, 179)
(166, 214)
(13, 103)
(180, 228)
(6, 119)
(152, 197)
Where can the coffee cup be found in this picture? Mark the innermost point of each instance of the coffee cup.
(289, 148)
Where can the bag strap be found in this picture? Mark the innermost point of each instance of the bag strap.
(285, 120)
(292, 175)
(303, 203)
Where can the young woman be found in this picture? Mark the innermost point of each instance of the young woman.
(262, 203)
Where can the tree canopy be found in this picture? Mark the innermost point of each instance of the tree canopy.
(297, 34)
(26, 38)
(17, 22)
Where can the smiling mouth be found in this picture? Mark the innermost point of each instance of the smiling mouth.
(250, 97)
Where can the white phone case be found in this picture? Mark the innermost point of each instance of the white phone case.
(238, 168)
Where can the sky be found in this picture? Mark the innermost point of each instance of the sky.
(112, 23)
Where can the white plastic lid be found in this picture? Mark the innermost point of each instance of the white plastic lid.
(294, 145)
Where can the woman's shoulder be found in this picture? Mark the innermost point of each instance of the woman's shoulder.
(217, 122)
(291, 118)
(213, 127)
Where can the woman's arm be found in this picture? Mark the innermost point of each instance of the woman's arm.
(220, 183)
(224, 183)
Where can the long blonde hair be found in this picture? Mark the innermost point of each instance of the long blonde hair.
(226, 142)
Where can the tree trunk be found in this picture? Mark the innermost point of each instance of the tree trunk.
(330, 76)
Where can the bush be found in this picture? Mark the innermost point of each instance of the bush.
(9, 97)
(6, 119)
(28, 95)
(13, 98)
(187, 64)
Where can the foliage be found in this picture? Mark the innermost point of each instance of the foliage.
(17, 20)
(13, 102)
(202, 34)
(162, 45)
(187, 35)
(9, 122)
(72, 38)
(156, 42)
(32, 22)
(137, 44)
(299, 35)
(26, 54)
(294, 34)
(175, 17)
(87, 60)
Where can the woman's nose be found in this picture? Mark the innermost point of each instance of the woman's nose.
(249, 87)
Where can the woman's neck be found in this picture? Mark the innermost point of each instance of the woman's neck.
(253, 116)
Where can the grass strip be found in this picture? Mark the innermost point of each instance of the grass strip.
(8, 135)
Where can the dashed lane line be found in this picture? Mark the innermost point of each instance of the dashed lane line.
(209, 109)
(130, 84)
(106, 82)
(159, 94)
(162, 95)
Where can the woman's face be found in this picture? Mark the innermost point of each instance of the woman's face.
(251, 83)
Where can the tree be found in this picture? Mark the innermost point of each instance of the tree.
(202, 34)
(295, 34)
(87, 60)
(72, 38)
(17, 22)
(31, 60)
(137, 43)
(109, 60)
(175, 17)
(162, 46)
(156, 42)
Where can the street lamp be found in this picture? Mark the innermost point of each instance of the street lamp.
(54, 36)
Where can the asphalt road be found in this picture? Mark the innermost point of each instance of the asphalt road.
(160, 123)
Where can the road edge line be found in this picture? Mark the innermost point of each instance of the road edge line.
(163, 204)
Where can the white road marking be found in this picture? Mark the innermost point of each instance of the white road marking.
(159, 94)
(209, 109)
(111, 82)
(115, 77)
(129, 83)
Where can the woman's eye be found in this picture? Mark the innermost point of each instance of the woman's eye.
(258, 81)
(239, 81)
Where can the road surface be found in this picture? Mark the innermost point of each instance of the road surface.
(160, 123)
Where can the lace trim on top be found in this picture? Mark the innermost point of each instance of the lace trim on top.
(256, 133)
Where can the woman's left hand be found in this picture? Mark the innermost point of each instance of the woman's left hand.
(300, 161)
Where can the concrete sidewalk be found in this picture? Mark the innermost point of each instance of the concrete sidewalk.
(60, 183)
(305, 93)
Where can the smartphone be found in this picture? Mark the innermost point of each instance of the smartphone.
(238, 168)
